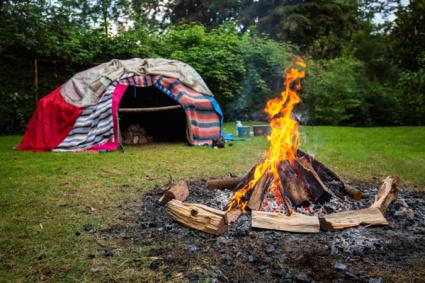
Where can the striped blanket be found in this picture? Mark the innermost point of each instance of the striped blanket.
(95, 125)
(203, 113)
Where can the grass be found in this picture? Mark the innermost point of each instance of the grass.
(46, 198)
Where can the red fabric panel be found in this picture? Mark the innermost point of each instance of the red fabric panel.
(50, 124)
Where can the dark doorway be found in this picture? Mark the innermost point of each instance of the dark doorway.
(163, 126)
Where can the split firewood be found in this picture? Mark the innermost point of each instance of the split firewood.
(352, 218)
(245, 179)
(296, 222)
(258, 191)
(178, 191)
(232, 215)
(198, 216)
(387, 193)
(226, 183)
(352, 191)
(312, 179)
(330, 176)
(291, 186)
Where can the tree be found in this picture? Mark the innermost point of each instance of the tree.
(408, 36)
(320, 28)
(408, 52)
(208, 13)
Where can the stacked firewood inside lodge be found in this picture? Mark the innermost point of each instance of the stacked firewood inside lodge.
(135, 134)
(287, 175)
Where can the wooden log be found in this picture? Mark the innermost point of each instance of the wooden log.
(311, 182)
(232, 215)
(198, 216)
(352, 218)
(296, 222)
(260, 187)
(387, 193)
(226, 183)
(291, 186)
(178, 191)
(311, 179)
(150, 109)
(326, 174)
(245, 179)
(352, 191)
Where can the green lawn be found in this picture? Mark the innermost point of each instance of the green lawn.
(46, 198)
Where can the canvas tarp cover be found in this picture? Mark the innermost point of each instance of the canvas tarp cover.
(84, 88)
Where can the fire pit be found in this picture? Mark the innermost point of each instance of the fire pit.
(393, 253)
(284, 188)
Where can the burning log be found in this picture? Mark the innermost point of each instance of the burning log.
(178, 191)
(387, 193)
(296, 222)
(198, 217)
(260, 188)
(291, 185)
(352, 218)
(330, 176)
(226, 183)
(305, 180)
(311, 179)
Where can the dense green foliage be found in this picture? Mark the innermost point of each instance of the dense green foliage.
(408, 51)
(359, 73)
(338, 92)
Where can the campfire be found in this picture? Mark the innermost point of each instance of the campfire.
(288, 176)
(280, 190)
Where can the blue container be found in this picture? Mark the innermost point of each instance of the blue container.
(244, 131)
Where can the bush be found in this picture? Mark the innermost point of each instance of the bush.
(338, 92)
(216, 55)
(264, 60)
(411, 96)
(332, 94)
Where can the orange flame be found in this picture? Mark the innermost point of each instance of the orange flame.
(284, 137)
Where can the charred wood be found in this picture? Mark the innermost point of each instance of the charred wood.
(329, 176)
(226, 183)
(178, 191)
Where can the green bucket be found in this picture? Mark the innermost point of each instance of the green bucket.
(243, 131)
